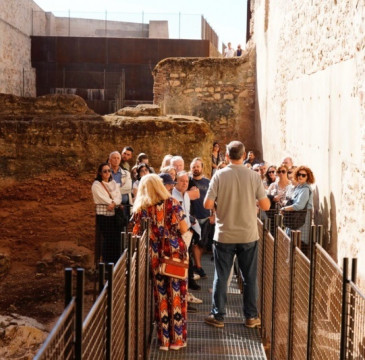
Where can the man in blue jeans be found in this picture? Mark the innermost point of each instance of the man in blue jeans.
(235, 192)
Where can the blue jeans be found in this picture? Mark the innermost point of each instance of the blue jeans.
(223, 261)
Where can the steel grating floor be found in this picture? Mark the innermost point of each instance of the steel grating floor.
(234, 341)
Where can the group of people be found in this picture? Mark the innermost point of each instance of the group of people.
(229, 52)
(219, 214)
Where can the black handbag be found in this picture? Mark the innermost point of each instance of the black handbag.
(120, 217)
(294, 219)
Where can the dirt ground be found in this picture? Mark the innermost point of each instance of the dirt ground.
(47, 224)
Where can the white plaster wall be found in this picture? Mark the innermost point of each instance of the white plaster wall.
(310, 68)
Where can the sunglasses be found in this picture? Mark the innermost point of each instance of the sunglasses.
(106, 171)
(257, 170)
(302, 175)
(281, 171)
(290, 172)
(271, 172)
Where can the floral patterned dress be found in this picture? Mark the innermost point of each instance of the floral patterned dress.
(169, 293)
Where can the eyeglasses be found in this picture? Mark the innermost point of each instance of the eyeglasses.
(257, 170)
(302, 175)
(106, 171)
(281, 171)
(271, 172)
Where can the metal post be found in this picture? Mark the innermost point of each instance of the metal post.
(101, 276)
(23, 92)
(69, 22)
(109, 322)
(106, 25)
(343, 347)
(63, 80)
(179, 25)
(148, 293)
(276, 221)
(142, 25)
(320, 235)
(312, 275)
(79, 312)
(293, 245)
(129, 351)
(123, 89)
(265, 230)
(68, 285)
(138, 287)
(352, 311)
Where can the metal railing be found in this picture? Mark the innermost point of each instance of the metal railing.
(309, 307)
(122, 308)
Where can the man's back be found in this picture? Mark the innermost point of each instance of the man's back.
(236, 189)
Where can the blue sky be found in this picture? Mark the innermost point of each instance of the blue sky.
(229, 22)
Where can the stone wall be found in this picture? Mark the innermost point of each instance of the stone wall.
(222, 91)
(59, 132)
(16, 74)
(310, 80)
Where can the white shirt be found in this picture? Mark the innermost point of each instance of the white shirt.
(228, 53)
(102, 198)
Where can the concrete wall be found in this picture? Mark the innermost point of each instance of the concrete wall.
(310, 68)
(222, 91)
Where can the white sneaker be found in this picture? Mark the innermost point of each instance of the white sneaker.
(196, 276)
(192, 299)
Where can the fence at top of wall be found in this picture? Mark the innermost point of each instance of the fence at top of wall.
(119, 24)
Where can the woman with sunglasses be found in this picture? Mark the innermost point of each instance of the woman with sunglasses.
(270, 176)
(106, 195)
(277, 190)
(302, 198)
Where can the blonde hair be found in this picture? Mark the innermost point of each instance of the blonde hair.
(151, 191)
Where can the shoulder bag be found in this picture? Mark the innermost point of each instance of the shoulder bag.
(172, 267)
(295, 219)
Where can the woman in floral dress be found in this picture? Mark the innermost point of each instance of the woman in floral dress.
(166, 216)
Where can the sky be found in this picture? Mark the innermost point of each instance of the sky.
(229, 22)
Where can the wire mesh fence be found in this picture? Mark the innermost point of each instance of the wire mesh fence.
(281, 296)
(327, 307)
(356, 323)
(60, 342)
(309, 308)
(301, 270)
(118, 315)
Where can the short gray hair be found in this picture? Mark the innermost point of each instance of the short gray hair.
(176, 158)
(181, 174)
(114, 152)
(235, 150)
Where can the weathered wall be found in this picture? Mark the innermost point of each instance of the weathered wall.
(16, 74)
(59, 132)
(310, 68)
(219, 90)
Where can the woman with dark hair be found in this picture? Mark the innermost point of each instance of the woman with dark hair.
(154, 202)
(106, 195)
(217, 157)
(302, 199)
(142, 170)
(270, 176)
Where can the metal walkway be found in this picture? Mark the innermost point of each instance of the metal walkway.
(234, 341)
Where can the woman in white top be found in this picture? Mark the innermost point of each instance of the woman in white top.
(277, 190)
(106, 195)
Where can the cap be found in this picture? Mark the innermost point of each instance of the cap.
(167, 179)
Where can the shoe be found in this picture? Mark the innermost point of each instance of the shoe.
(200, 271)
(253, 322)
(193, 285)
(196, 277)
(177, 347)
(211, 320)
(192, 309)
(164, 348)
(192, 299)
